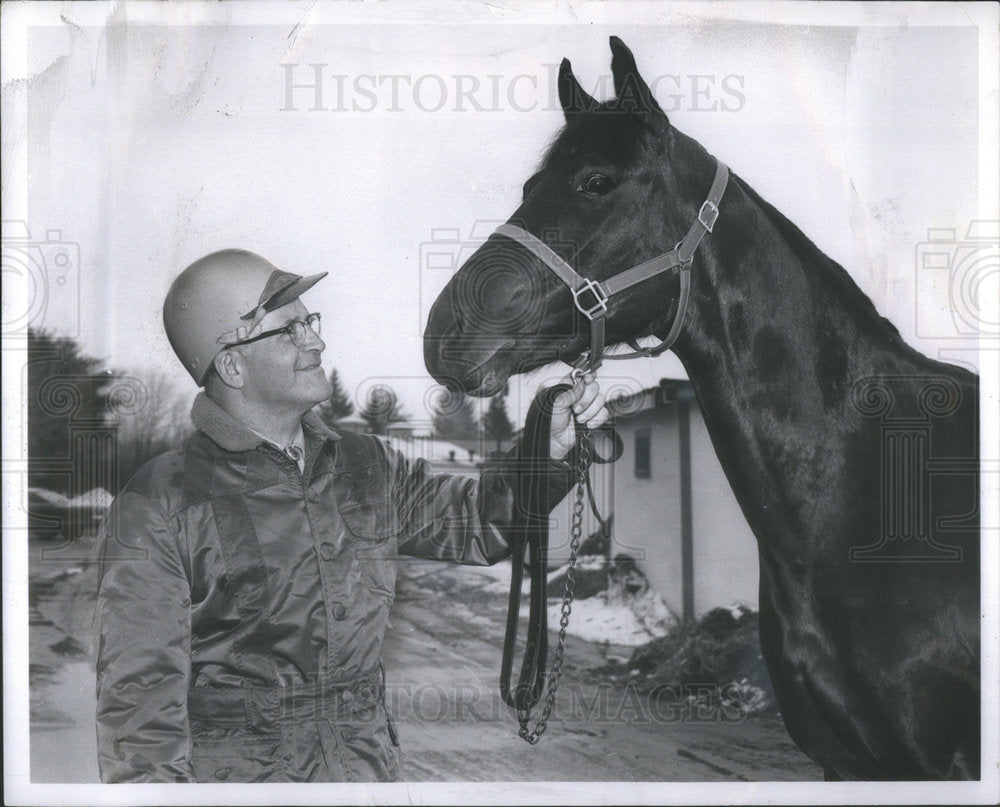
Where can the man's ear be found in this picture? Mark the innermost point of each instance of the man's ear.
(230, 368)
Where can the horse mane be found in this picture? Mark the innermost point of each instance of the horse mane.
(806, 251)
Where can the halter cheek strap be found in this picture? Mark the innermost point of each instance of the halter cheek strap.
(591, 296)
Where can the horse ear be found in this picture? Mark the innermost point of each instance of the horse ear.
(573, 98)
(633, 94)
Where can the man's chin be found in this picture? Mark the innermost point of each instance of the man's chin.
(323, 391)
(309, 391)
(316, 379)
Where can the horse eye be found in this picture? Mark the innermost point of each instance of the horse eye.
(597, 185)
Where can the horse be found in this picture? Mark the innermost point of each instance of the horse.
(854, 457)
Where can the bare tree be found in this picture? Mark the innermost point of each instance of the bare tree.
(152, 414)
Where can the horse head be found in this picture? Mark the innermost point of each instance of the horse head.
(617, 186)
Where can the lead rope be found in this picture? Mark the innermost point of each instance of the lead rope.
(529, 534)
(532, 736)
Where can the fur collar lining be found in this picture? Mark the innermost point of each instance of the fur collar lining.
(228, 433)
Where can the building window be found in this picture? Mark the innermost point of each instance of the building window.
(643, 465)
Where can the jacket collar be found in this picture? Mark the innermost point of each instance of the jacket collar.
(228, 433)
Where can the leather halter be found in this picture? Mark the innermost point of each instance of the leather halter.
(591, 296)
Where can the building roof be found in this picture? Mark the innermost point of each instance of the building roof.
(439, 452)
(666, 393)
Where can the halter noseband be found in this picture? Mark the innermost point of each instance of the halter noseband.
(591, 296)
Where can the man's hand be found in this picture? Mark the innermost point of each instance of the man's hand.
(583, 404)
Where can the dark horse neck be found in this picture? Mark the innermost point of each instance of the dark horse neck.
(775, 341)
(853, 458)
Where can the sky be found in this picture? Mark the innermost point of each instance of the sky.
(327, 137)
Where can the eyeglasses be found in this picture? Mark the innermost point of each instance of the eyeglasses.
(296, 329)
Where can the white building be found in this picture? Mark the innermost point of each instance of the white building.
(674, 511)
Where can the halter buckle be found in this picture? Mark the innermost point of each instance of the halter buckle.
(708, 214)
(600, 304)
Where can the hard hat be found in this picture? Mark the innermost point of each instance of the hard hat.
(221, 299)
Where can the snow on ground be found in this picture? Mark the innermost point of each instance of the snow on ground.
(490, 579)
(632, 621)
(586, 563)
(96, 499)
(613, 616)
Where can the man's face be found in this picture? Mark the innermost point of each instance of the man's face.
(281, 376)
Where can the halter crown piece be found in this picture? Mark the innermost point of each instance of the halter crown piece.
(591, 296)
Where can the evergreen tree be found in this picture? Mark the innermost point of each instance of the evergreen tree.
(454, 417)
(67, 408)
(382, 408)
(496, 423)
(338, 406)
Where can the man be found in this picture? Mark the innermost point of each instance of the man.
(247, 576)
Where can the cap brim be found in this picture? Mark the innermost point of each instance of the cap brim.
(294, 291)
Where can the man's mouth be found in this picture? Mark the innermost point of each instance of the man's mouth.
(311, 359)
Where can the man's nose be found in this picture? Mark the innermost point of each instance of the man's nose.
(313, 341)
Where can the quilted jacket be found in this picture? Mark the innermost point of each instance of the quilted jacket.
(242, 602)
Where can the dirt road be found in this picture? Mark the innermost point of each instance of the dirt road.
(442, 655)
(443, 661)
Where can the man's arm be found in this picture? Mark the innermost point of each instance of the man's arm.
(462, 519)
(143, 663)
(459, 518)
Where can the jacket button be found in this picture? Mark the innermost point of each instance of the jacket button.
(339, 611)
(347, 696)
(313, 495)
(222, 773)
(327, 551)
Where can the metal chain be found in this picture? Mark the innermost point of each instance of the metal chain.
(576, 534)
